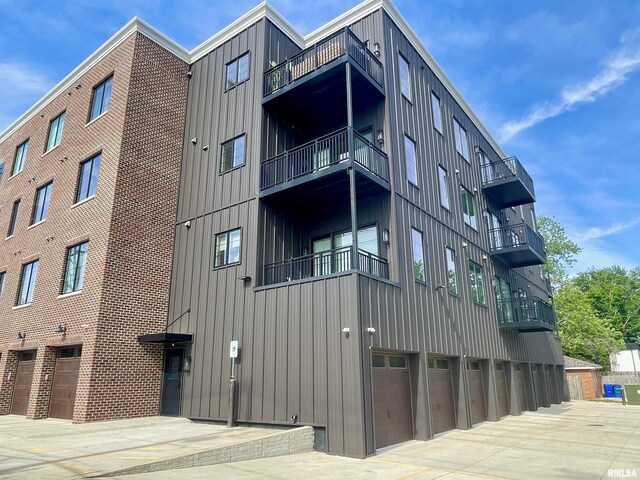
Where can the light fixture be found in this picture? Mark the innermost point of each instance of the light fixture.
(346, 331)
(457, 171)
(439, 287)
(245, 278)
(464, 244)
(60, 329)
(21, 336)
(371, 330)
(376, 49)
(189, 74)
(380, 136)
(187, 224)
(484, 257)
(205, 148)
(194, 140)
(187, 364)
(385, 236)
(477, 149)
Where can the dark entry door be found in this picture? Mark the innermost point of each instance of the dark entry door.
(65, 382)
(172, 385)
(392, 399)
(443, 413)
(22, 384)
(501, 387)
(522, 392)
(476, 391)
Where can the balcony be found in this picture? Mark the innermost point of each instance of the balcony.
(529, 314)
(321, 159)
(517, 245)
(338, 48)
(507, 183)
(322, 264)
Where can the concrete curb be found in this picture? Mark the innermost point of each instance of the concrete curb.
(288, 442)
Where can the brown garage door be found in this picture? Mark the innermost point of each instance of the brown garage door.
(22, 384)
(392, 399)
(521, 386)
(476, 392)
(536, 385)
(65, 382)
(501, 387)
(443, 413)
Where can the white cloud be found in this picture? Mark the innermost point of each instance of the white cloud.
(594, 233)
(615, 71)
(20, 84)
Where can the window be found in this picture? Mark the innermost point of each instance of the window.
(237, 71)
(28, 282)
(462, 145)
(227, 248)
(477, 283)
(3, 276)
(443, 182)
(452, 277)
(101, 98)
(233, 153)
(435, 112)
(396, 361)
(418, 255)
(88, 178)
(41, 206)
(410, 159)
(55, 132)
(21, 155)
(76, 264)
(377, 361)
(405, 79)
(14, 218)
(468, 207)
(503, 300)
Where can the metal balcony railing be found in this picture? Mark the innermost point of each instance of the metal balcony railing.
(321, 154)
(510, 237)
(343, 42)
(507, 182)
(324, 263)
(530, 313)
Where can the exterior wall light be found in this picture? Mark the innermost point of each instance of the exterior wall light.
(60, 329)
(380, 137)
(385, 236)
(376, 49)
(21, 336)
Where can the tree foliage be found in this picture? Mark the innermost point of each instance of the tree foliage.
(561, 251)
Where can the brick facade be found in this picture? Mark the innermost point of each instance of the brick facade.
(128, 224)
(591, 382)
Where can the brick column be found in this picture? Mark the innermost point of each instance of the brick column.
(42, 382)
(8, 368)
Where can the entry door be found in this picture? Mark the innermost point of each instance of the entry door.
(65, 382)
(172, 384)
(443, 412)
(392, 399)
(522, 392)
(22, 384)
(476, 390)
(501, 387)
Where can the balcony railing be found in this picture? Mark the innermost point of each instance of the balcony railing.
(526, 314)
(320, 154)
(517, 245)
(507, 182)
(324, 263)
(343, 42)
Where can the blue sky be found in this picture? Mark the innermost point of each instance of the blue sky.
(557, 83)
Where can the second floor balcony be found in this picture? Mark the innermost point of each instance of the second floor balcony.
(507, 183)
(329, 262)
(529, 314)
(321, 159)
(517, 245)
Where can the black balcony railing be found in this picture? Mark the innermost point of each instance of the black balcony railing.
(320, 154)
(343, 42)
(507, 182)
(517, 244)
(324, 263)
(526, 314)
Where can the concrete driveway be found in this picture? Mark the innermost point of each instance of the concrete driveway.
(580, 440)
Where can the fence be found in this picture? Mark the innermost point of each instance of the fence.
(622, 378)
(575, 388)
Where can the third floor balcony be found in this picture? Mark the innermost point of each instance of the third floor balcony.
(529, 314)
(507, 183)
(517, 245)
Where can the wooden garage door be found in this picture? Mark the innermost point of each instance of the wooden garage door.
(501, 387)
(476, 392)
(443, 412)
(22, 384)
(392, 399)
(521, 386)
(65, 382)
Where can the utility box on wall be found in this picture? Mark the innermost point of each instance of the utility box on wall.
(632, 394)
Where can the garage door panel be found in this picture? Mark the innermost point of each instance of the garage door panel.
(65, 382)
(443, 416)
(22, 384)
(476, 390)
(392, 405)
(522, 393)
(503, 395)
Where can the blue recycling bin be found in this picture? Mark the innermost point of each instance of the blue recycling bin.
(608, 390)
(617, 391)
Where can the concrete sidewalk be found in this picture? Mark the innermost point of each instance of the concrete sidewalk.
(581, 440)
(55, 449)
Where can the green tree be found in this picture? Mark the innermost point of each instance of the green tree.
(584, 334)
(561, 251)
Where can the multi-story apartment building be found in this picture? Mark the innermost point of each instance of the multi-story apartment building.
(342, 215)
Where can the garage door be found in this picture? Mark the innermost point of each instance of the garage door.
(501, 387)
(521, 386)
(476, 392)
(443, 413)
(536, 385)
(22, 384)
(65, 382)
(392, 399)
